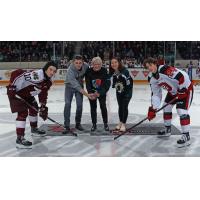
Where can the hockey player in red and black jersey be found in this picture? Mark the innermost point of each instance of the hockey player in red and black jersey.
(26, 85)
(180, 88)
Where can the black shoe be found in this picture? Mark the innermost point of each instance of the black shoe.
(37, 132)
(166, 132)
(79, 127)
(67, 130)
(184, 140)
(106, 127)
(22, 143)
(94, 127)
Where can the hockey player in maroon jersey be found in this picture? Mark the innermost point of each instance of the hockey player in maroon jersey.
(27, 84)
(179, 86)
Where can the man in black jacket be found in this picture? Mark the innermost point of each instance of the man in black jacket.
(98, 83)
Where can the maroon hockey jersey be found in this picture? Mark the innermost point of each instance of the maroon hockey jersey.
(31, 83)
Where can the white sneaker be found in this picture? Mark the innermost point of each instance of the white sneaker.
(118, 126)
(123, 128)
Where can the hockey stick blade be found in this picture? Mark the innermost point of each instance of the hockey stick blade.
(32, 107)
(170, 102)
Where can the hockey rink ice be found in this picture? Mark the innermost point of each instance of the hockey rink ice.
(86, 145)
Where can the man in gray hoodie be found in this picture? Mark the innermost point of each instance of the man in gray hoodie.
(74, 86)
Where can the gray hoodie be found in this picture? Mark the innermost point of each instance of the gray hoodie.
(74, 77)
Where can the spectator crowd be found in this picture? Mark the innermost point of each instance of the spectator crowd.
(132, 52)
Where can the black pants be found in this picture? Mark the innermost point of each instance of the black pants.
(123, 107)
(93, 107)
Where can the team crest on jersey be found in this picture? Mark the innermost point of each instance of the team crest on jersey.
(35, 76)
(119, 87)
(96, 83)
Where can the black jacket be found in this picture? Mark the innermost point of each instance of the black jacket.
(97, 81)
(123, 83)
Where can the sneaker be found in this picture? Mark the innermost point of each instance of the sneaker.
(22, 143)
(118, 126)
(37, 132)
(79, 127)
(166, 132)
(123, 128)
(184, 140)
(94, 127)
(106, 127)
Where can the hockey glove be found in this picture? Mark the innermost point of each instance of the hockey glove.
(43, 112)
(151, 113)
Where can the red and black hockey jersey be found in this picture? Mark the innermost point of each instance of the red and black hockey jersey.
(170, 79)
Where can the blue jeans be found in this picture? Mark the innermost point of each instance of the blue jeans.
(69, 93)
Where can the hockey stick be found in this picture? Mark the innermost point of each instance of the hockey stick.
(50, 119)
(144, 119)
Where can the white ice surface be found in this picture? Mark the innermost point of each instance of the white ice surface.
(87, 146)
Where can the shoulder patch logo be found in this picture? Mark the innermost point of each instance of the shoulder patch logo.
(35, 76)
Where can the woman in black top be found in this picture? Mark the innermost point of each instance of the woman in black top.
(98, 83)
(123, 83)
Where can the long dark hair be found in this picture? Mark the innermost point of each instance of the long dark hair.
(120, 68)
